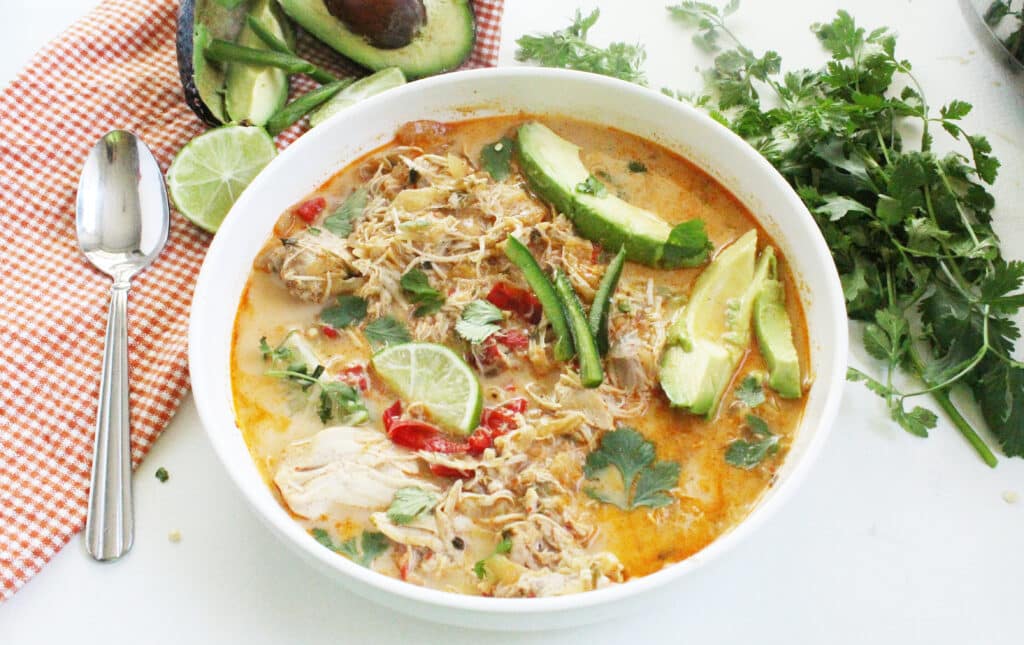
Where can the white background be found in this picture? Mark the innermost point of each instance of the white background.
(892, 539)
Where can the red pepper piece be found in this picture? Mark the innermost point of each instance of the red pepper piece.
(446, 471)
(514, 339)
(391, 415)
(420, 435)
(329, 331)
(308, 210)
(511, 298)
(495, 422)
(357, 377)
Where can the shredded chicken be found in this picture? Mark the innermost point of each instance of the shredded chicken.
(344, 467)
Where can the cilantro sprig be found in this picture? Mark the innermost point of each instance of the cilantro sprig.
(479, 321)
(386, 331)
(342, 221)
(747, 454)
(909, 228)
(750, 391)
(496, 158)
(363, 551)
(416, 286)
(502, 548)
(644, 481)
(409, 503)
(592, 186)
(569, 49)
(349, 310)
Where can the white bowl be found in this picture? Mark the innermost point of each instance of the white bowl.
(325, 150)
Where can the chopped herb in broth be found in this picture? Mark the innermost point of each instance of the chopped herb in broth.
(461, 384)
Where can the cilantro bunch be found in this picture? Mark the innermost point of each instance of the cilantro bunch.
(909, 227)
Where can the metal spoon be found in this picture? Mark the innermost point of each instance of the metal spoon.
(122, 220)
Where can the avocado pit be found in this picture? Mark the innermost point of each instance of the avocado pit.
(385, 24)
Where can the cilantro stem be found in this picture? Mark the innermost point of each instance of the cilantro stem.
(963, 425)
(942, 398)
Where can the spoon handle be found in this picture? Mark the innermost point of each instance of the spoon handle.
(109, 525)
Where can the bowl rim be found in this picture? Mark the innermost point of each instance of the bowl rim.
(206, 394)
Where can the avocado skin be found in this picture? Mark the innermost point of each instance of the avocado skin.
(202, 83)
(418, 59)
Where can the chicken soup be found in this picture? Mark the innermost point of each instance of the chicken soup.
(519, 357)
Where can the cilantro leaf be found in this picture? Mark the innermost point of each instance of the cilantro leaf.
(479, 320)
(504, 547)
(280, 353)
(917, 422)
(653, 484)
(496, 159)
(1000, 391)
(708, 19)
(745, 454)
(409, 503)
(750, 391)
(386, 331)
(342, 403)
(626, 450)
(569, 49)
(592, 186)
(342, 221)
(688, 245)
(480, 569)
(350, 310)
(997, 289)
(162, 475)
(636, 166)
(324, 538)
(363, 551)
(417, 287)
(371, 545)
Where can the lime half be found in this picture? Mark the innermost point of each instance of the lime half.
(213, 169)
(436, 378)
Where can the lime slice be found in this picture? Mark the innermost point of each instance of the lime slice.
(213, 169)
(436, 378)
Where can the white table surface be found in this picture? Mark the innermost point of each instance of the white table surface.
(892, 539)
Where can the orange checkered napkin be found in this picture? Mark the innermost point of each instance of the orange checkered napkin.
(116, 68)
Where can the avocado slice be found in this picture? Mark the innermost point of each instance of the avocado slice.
(553, 167)
(442, 43)
(710, 334)
(775, 333)
(253, 94)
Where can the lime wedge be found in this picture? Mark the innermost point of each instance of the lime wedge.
(212, 170)
(436, 378)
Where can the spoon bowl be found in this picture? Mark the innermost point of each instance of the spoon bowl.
(122, 221)
(122, 213)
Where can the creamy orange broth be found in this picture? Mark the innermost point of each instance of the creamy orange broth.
(711, 497)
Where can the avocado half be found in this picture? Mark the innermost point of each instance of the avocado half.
(199, 22)
(443, 42)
